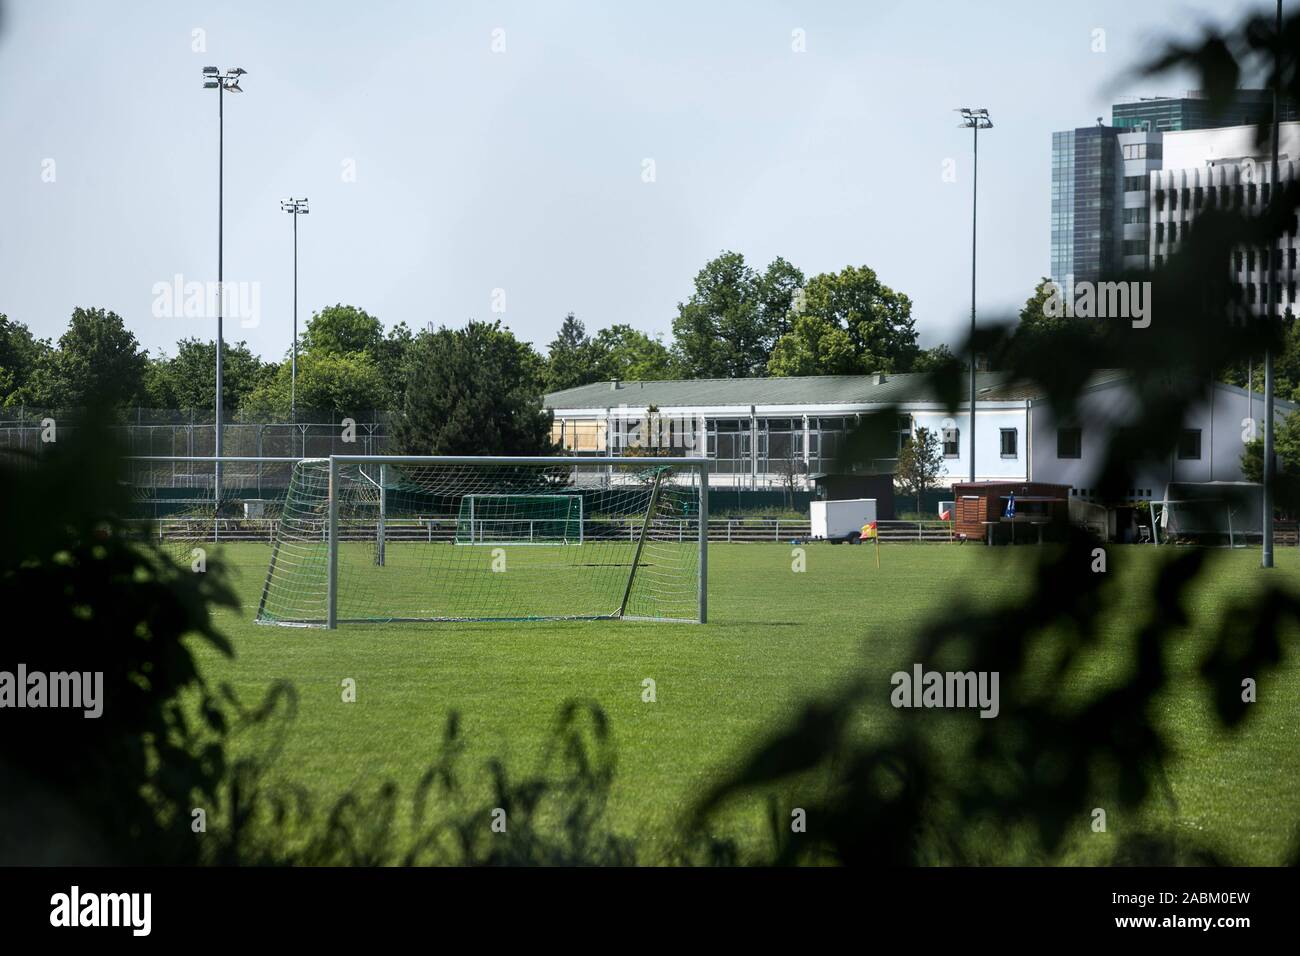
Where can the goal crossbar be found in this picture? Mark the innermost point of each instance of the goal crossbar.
(699, 466)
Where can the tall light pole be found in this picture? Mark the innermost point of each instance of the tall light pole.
(228, 82)
(296, 207)
(974, 120)
(1271, 300)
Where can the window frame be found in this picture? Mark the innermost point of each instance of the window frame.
(955, 443)
(1077, 446)
(1015, 442)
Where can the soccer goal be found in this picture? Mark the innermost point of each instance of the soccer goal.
(1210, 513)
(519, 519)
(416, 538)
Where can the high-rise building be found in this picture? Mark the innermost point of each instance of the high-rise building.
(1168, 114)
(1100, 201)
(1229, 169)
(1101, 178)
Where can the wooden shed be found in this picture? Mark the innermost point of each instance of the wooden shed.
(1041, 509)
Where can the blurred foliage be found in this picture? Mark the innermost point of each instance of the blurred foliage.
(1017, 788)
(80, 596)
(923, 788)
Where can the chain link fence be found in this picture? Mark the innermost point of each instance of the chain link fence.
(150, 431)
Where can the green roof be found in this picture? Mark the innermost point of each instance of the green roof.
(795, 390)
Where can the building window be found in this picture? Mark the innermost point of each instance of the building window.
(1069, 443)
(1009, 443)
(904, 431)
(1189, 444)
(952, 443)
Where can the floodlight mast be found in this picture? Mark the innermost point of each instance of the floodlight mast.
(228, 82)
(974, 119)
(296, 207)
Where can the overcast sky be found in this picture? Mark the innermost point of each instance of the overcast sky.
(440, 170)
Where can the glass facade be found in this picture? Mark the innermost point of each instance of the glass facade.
(1163, 114)
(776, 443)
(736, 445)
(1062, 205)
(1096, 176)
(1087, 183)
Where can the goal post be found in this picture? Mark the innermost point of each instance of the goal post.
(367, 538)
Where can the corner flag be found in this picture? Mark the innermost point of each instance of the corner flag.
(869, 530)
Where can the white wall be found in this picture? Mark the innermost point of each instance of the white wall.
(1221, 419)
(989, 463)
(1186, 149)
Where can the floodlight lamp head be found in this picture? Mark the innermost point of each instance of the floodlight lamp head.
(211, 85)
(238, 71)
(210, 71)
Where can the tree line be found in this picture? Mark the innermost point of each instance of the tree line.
(738, 321)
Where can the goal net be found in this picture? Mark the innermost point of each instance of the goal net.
(1222, 513)
(379, 539)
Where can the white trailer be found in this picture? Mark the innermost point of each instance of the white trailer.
(841, 520)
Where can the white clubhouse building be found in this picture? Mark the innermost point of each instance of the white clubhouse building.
(760, 431)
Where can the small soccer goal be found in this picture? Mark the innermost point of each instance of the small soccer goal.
(519, 519)
(1209, 514)
(412, 538)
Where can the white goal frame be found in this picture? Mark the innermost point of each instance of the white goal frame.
(698, 466)
(484, 542)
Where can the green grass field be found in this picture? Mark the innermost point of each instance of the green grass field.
(775, 638)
